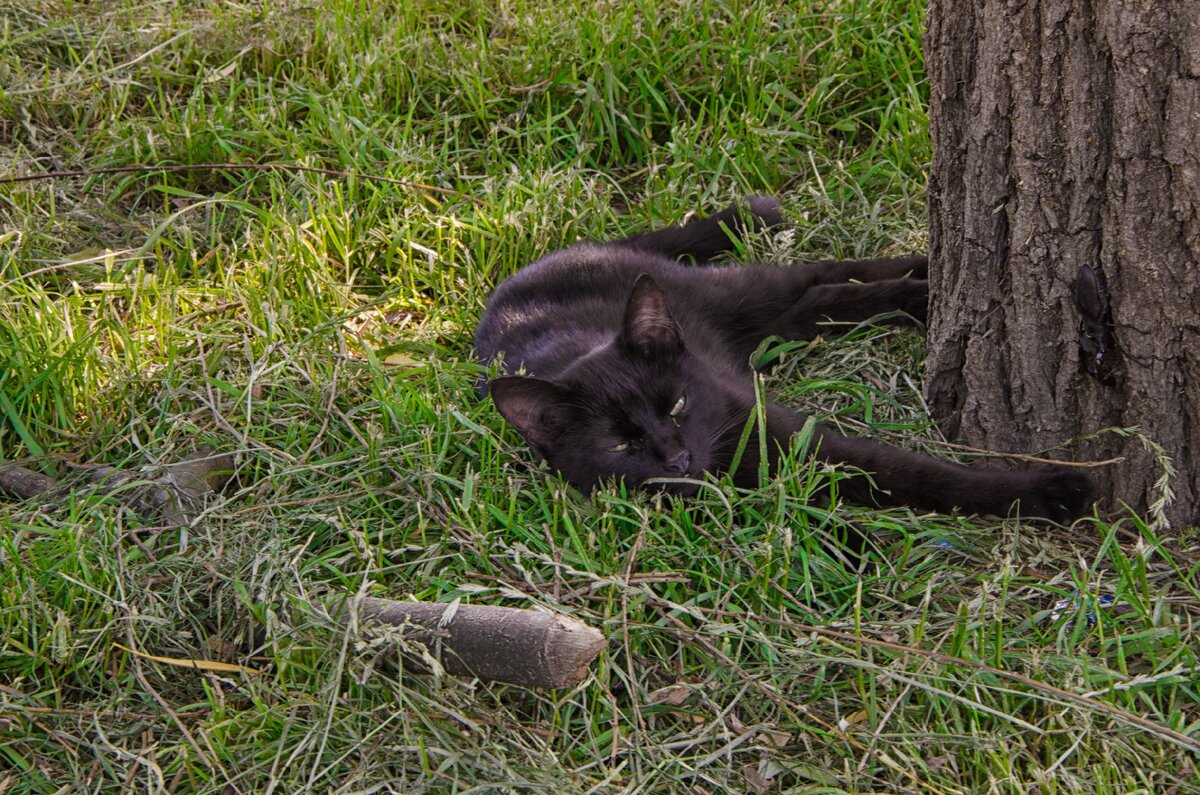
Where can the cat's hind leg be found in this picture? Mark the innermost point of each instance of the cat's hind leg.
(851, 302)
(705, 238)
(903, 477)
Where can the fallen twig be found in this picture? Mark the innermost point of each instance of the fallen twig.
(180, 167)
(177, 495)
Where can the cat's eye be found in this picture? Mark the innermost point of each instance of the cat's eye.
(679, 405)
(619, 448)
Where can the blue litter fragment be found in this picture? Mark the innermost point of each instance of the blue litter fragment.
(1070, 605)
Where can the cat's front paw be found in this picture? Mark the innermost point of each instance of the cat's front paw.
(1061, 495)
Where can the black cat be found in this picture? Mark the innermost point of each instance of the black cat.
(623, 363)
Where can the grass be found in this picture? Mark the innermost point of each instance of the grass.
(319, 326)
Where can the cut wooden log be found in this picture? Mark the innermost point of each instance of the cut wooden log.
(501, 644)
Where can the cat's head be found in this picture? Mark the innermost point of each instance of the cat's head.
(640, 407)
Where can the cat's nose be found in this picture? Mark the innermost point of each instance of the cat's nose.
(678, 463)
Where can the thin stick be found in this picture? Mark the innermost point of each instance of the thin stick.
(986, 453)
(180, 167)
(1014, 456)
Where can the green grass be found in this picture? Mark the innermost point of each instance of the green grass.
(319, 327)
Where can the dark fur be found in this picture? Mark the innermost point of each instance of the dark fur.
(600, 341)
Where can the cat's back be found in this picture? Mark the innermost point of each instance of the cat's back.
(564, 304)
(583, 273)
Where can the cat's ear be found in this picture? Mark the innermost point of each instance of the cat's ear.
(649, 326)
(534, 406)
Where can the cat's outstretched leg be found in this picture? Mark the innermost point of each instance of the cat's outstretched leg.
(904, 477)
(856, 290)
(852, 303)
(705, 238)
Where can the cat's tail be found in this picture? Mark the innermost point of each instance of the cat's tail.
(703, 239)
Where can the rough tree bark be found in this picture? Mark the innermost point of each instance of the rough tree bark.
(1066, 134)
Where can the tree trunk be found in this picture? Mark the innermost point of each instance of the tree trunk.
(1066, 170)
